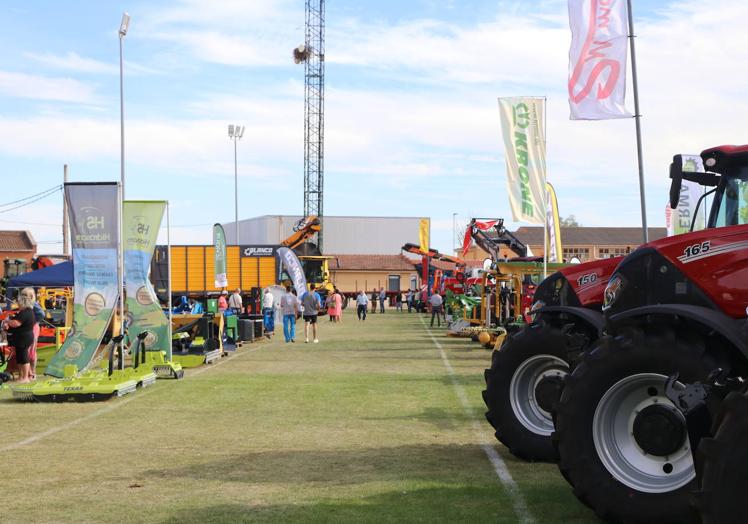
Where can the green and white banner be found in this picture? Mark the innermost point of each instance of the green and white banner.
(523, 129)
(142, 221)
(678, 220)
(219, 257)
(95, 235)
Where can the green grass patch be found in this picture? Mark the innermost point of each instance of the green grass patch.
(365, 426)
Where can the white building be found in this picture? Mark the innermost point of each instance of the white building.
(342, 235)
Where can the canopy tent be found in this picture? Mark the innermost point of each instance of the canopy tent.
(59, 275)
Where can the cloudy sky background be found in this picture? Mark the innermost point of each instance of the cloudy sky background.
(412, 124)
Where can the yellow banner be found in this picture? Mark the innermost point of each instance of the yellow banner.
(423, 234)
(554, 248)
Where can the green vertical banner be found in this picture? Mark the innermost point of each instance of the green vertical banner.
(95, 237)
(219, 243)
(142, 221)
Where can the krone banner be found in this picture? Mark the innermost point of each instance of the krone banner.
(597, 59)
(555, 249)
(95, 236)
(219, 257)
(523, 128)
(142, 221)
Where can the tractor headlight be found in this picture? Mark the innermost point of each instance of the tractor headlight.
(537, 305)
(612, 291)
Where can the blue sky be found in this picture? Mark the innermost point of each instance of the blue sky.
(412, 125)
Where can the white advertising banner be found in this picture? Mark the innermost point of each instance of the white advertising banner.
(597, 59)
(523, 129)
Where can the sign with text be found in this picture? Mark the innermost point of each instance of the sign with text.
(95, 237)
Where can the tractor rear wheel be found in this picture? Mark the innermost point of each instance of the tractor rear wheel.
(621, 442)
(725, 460)
(523, 386)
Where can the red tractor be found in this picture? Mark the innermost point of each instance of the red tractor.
(634, 409)
(527, 373)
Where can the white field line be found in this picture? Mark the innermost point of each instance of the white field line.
(499, 466)
(108, 409)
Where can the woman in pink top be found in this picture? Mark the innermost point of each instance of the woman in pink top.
(338, 306)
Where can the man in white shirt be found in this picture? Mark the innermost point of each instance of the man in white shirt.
(361, 302)
(268, 314)
(436, 302)
(289, 304)
(235, 301)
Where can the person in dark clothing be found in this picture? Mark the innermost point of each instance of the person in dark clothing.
(20, 330)
(374, 297)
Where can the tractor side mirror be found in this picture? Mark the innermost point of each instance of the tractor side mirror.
(676, 177)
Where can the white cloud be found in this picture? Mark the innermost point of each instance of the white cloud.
(38, 87)
(73, 62)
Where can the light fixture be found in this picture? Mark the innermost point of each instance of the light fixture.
(124, 25)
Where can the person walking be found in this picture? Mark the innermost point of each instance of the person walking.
(267, 312)
(20, 330)
(361, 302)
(290, 308)
(374, 297)
(436, 302)
(330, 305)
(382, 298)
(312, 303)
(338, 306)
(235, 301)
(410, 298)
(399, 302)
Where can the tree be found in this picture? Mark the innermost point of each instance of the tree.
(570, 221)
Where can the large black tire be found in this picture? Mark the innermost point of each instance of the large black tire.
(724, 482)
(615, 382)
(519, 411)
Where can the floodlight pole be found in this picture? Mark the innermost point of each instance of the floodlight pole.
(235, 133)
(124, 25)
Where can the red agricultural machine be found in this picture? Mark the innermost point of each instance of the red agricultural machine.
(635, 408)
(649, 373)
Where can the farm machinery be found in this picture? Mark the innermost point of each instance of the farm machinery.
(641, 400)
(647, 373)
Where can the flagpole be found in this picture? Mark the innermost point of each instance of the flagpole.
(545, 191)
(637, 118)
(168, 272)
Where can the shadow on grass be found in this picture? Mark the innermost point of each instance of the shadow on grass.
(341, 467)
(442, 504)
(441, 418)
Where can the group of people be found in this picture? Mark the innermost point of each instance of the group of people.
(22, 331)
(308, 306)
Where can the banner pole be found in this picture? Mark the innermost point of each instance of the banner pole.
(121, 274)
(545, 192)
(168, 270)
(637, 118)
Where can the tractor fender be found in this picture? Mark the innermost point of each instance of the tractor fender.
(711, 319)
(589, 316)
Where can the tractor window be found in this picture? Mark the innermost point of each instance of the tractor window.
(733, 206)
(313, 270)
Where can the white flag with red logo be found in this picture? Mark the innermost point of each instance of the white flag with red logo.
(597, 59)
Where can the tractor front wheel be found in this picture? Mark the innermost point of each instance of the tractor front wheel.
(622, 443)
(725, 459)
(523, 385)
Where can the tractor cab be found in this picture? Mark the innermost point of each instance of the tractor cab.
(726, 173)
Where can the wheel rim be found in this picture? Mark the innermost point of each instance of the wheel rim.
(522, 388)
(617, 447)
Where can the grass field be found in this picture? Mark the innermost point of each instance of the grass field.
(369, 425)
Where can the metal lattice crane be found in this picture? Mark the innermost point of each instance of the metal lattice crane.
(312, 53)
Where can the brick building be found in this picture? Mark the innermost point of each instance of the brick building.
(18, 248)
(585, 243)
